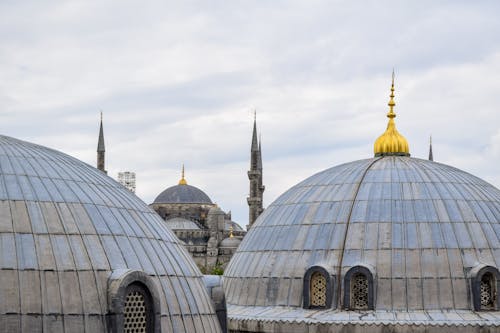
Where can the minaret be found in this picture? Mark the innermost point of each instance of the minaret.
(255, 176)
(431, 157)
(101, 150)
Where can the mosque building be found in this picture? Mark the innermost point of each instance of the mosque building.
(385, 244)
(206, 231)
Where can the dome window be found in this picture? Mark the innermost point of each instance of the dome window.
(137, 310)
(358, 294)
(487, 294)
(133, 301)
(318, 290)
(485, 283)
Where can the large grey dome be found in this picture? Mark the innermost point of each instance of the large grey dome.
(421, 229)
(183, 193)
(73, 241)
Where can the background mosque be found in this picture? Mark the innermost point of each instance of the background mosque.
(205, 230)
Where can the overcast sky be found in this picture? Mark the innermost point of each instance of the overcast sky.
(178, 82)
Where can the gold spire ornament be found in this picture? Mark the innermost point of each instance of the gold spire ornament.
(231, 232)
(391, 142)
(183, 180)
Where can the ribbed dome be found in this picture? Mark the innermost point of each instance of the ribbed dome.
(421, 226)
(69, 233)
(183, 193)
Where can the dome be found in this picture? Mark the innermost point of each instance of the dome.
(77, 248)
(178, 223)
(418, 232)
(231, 242)
(183, 193)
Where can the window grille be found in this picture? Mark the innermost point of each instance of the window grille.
(359, 292)
(318, 290)
(135, 313)
(487, 292)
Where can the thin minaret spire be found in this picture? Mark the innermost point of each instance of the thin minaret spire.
(101, 150)
(255, 198)
(431, 156)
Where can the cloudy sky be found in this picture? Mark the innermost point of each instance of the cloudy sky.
(178, 82)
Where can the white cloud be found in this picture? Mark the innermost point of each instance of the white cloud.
(178, 81)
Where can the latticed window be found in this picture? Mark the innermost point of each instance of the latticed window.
(359, 292)
(487, 291)
(318, 290)
(136, 311)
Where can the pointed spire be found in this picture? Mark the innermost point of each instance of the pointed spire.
(255, 145)
(391, 142)
(259, 156)
(183, 180)
(100, 143)
(101, 150)
(431, 157)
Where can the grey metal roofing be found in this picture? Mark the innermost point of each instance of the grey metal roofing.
(421, 225)
(183, 194)
(64, 227)
(458, 318)
(230, 242)
(181, 223)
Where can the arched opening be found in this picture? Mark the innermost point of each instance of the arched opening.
(134, 306)
(318, 289)
(359, 292)
(137, 310)
(485, 283)
(487, 291)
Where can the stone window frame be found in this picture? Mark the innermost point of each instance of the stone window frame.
(476, 276)
(367, 272)
(120, 283)
(307, 287)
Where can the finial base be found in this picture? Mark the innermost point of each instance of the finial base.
(392, 154)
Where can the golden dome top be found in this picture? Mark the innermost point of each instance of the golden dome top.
(183, 180)
(391, 142)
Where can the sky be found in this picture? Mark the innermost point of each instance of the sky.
(178, 82)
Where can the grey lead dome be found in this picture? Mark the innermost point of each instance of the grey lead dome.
(421, 227)
(68, 233)
(183, 194)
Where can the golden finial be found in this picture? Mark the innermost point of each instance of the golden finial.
(183, 180)
(231, 232)
(391, 142)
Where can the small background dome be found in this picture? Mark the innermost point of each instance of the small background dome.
(183, 194)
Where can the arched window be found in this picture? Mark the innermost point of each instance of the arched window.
(359, 292)
(134, 306)
(485, 283)
(487, 291)
(358, 289)
(137, 310)
(318, 289)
